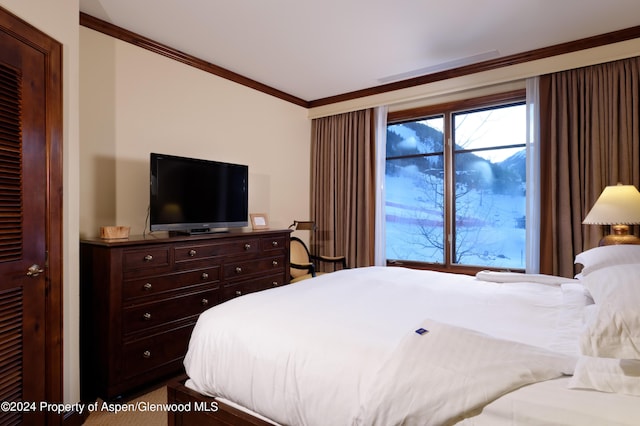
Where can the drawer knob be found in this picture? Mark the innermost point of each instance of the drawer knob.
(192, 253)
(147, 286)
(146, 316)
(238, 269)
(146, 354)
(274, 243)
(148, 258)
(204, 276)
(238, 293)
(247, 246)
(275, 263)
(275, 283)
(205, 302)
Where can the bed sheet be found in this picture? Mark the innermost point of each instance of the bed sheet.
(552, 403)
(333, 332)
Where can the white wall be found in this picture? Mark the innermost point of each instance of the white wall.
(134, 102)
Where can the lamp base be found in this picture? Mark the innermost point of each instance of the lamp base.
(620, 236)
(619, 239)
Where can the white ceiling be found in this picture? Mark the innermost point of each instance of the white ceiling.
(317, 49)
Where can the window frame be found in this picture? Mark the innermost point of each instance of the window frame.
(447, 110)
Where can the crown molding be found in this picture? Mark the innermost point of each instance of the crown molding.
(104, 27)
(119, 33)
(519, 58)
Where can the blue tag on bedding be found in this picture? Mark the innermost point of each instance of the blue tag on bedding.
(421, 331)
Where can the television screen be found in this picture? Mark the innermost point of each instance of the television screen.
(192, 195)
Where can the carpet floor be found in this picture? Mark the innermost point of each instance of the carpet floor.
(140, 411)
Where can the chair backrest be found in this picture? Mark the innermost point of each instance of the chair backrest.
(298, 253)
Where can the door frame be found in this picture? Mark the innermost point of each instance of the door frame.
(52, 52)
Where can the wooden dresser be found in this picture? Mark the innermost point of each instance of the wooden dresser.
(140, 298)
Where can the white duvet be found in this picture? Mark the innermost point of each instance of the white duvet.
(447, 372)
(332, 349)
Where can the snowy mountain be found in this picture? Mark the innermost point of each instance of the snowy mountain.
(516, 163)
(408, 141)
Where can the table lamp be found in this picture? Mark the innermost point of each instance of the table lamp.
(618, 206)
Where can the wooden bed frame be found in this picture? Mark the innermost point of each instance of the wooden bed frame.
(204, 410)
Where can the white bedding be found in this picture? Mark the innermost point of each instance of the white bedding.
(308, 353)
(553, 403)
(440, 383)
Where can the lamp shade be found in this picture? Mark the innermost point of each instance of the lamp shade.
(617, 205)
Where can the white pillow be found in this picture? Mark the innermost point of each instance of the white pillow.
(601, 257)
(615, 330)
(607, 375)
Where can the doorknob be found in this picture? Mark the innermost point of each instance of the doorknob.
(34, 270)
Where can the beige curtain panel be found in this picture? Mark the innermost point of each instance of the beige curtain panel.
(590, 138)
(343, 185)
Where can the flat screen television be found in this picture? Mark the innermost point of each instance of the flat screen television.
(190, 195)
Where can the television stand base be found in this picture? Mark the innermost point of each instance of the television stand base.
(198, 232)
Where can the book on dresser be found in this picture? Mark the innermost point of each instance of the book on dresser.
(140, 298)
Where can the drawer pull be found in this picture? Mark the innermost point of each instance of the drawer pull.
(275, 263)
(204, 276)
(147, 286)
(274, 243)
(148, 258)
(238, 293)
(238, 270)
(146, 316)
(205, 302)
(146, 354)
(247, 246)
(275, 283)
(192, 253)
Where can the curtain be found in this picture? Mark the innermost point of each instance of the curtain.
(343, 186)
(533, 176)
(380, 257)
(590, 138)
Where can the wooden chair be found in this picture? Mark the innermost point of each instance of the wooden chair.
(301, 262)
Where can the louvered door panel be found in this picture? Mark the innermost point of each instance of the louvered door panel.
(11, 343)
(11, 299)
(10, 166)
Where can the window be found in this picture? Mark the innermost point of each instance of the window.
(455, 184)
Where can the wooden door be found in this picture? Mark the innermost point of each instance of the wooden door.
(25, 231)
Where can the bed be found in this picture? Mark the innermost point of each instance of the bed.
(391, 345)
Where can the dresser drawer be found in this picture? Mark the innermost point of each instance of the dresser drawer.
(159, 284)
(273, 244)
(243, 268)
(149, 353)
(144, 259)
(155, 314)
(242, 246)
(241, 288)
(195, 252)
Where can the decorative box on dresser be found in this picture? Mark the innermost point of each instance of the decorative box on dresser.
(140, 298)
